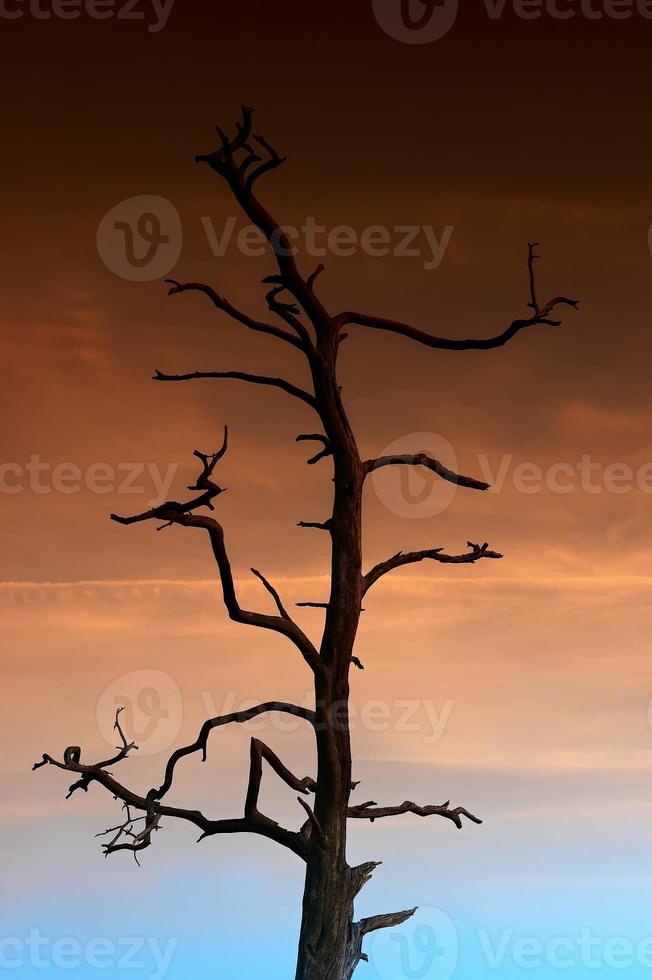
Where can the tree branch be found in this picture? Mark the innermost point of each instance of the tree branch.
(542, 316)
(317, 437)
(253, 822)
(289, 312)
(154, 811)
(256, 379)
(423, 459)
(241, 179)
(258, 752)
(223, 304)
(174, 512)
(476, 553)
(387, 921)
(236, 717)
(313, 823)
(359, 930)
(370, 811)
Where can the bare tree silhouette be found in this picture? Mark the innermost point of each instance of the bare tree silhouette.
(331, 941)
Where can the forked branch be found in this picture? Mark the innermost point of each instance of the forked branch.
(221, 303)
(317, 437)
(241, 165)
(235, 717)
(126, 839)
(173, 512)
(542, 315)
(258, 752)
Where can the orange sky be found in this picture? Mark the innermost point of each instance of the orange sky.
(509, 131)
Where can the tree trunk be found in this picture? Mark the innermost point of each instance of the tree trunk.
(326, 919)
(331, 885)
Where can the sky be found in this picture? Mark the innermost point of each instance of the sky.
(521, 688)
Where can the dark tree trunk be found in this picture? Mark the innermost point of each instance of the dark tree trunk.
(331, 885)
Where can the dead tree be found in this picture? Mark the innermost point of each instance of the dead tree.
(331, 941)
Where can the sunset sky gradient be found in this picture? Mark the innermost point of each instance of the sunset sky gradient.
(511, 131)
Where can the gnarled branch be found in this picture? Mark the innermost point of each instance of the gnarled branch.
(359, 930)
(476, 553)
(241, 176)
(184, 514)
(370, 811)
(542, 316)
(223, 304)
(258, 752)
(155, 810)
(235, 717)
(125, 839)
(423, 459)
